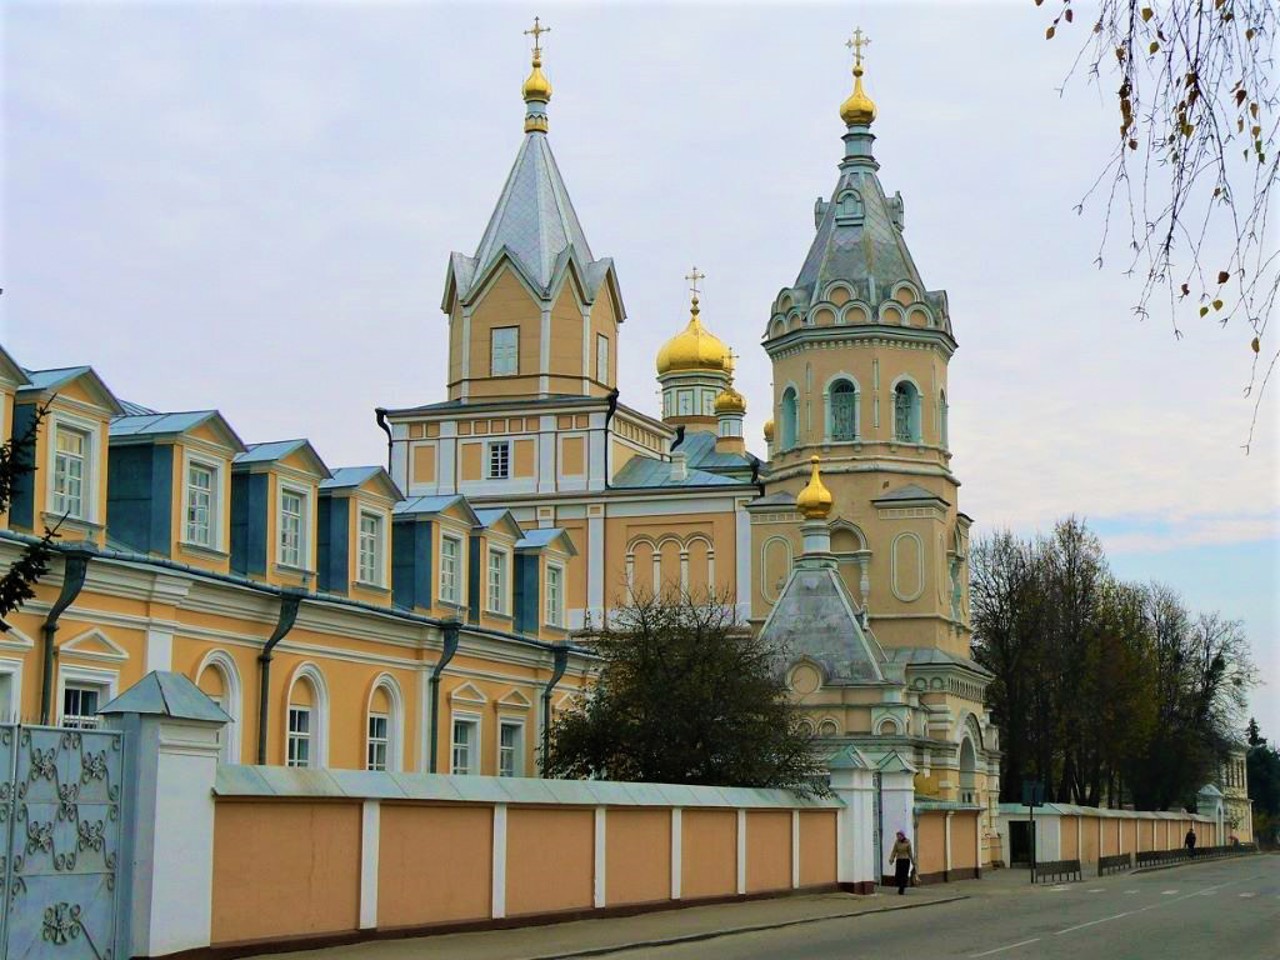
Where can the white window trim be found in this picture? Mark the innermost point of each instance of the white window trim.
(232, 691)
(505, 592)
(189, 460)
(602, 344)
(457, 599)
(319, 713)
(515, 371)
(488, 459)
(558, 622)
(309, 737)
(306, 540)
(93, 432)
(88, 676)
(395, 721)
(13, 668)
(474, 754)
(507, 721)
(381, 558)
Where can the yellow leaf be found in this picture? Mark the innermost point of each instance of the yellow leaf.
(1048, 34)
(1147, 14)
(1256, 345)
(1204, 311)
(1154, 47)
(1217, 304)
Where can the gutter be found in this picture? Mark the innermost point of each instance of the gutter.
(380, 414)
(288, 616)
(451, 630)
(557, 673)
(75, 567)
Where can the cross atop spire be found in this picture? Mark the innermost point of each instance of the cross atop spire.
(693, 279)
(536, 31)
(856, 43)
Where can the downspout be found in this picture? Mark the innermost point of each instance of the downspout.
(557, 673)
(75, 566)
(451, 630)
(288, 615)
(608, 417)
(380, 414)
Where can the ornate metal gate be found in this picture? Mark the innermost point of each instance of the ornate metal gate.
(60, 824)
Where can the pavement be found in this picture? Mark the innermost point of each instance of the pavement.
(1002, 912)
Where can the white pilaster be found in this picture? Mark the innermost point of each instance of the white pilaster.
(795, 849)
(159, 649)
(977, 845)
(499, 900)
(742, 851)
(601, 859)
(595, 566)
(466, 343)
(370, 833)
(742, 559)
(946, 842)
(677, 848)
(856, 856)
(544, 351)
(1079, 840)
(547, 454)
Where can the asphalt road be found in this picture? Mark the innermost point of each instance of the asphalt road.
(1228, 909)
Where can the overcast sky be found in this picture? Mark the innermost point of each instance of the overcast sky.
(250, 206)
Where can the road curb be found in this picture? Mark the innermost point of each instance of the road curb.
(1189, 863)
(713, 934)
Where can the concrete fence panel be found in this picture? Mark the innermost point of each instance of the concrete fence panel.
(638, 866)
(709, 856)
(550, 860)
(931, 841)
(818, 850)
(435, 864)
(768, 850)
(1070, 838)
(964, 845)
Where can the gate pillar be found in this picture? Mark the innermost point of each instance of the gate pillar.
(171, 755)
(853, 781)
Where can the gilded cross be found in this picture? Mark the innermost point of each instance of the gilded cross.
(693, 278)
(856, 44)
(537, 31)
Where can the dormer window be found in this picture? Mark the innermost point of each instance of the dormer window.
(70, 472)
(497, 593)
(849, 207)
(293, 525)
(450, 563)
(202, 484)
(370, 552)
(555, 596)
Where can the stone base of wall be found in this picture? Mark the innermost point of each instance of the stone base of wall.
(248, 948)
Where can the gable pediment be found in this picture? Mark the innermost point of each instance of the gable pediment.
(468, 693)
(93, 644)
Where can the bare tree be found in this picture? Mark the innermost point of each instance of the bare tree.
(1195, 159)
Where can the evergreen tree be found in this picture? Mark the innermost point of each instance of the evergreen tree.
(683, 694)
(17, 460)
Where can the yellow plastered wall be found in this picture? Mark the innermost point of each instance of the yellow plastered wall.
(506, 303)
(566, 336)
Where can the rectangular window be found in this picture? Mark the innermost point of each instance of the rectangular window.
(497, 581)
(299, 742)
(500, 460)
(376, 755)
(450, 557)
(602, 358)
(292, 516)
(555, 596)
(464, 746)
(8, 698)
(201, 481)
(370, 553)
(504, 351)
(70, 472)
(510, 749)
(80, 706)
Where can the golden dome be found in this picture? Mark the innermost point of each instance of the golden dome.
(859, 108)
(768, 431)
(537, 86)
(814, 501)
(730, 401)
(695, 348)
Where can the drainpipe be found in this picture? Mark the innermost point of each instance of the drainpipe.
(557, 672)
(288, 615)
(380, 414)
(450, 648)
(75, 566)
(608, 418)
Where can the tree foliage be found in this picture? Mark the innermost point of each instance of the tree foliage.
(683, 694)
(17, 460)
(1195, 161)
(1107, 691)
(1263, 764)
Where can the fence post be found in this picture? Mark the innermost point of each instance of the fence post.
(858, 863)
(171, 758)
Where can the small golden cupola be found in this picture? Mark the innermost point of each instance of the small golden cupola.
(859, 109)
(815, 500)
(537, 88)
(695, 368)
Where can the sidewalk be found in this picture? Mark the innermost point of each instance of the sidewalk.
(586, 938)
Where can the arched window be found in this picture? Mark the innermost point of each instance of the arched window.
(844, 411)
(906, 412)
(219, 679)
(968, 772)
(307, 719)
(383, 725)
(787, 420)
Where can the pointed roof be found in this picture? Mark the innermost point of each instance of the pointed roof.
(165, 694)
(156, 424)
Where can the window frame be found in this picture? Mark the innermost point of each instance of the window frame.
(374, 743)
(515, 752)
(304, 521)
(214, 469)
(789, 418)
(294, 737)
(88, 479)
(915, 411)
(602, 353)
(379, 551)
(11, 673)
(472, 744)
(492, 448)
(105, 681)
(852, 393)
(554, 612)
(456, 597)
(504, 582)
(514, 359)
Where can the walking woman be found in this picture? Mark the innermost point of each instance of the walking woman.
(902, 861)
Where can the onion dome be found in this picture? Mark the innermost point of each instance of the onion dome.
(730, 401)
(768, 431)
(859, 109)
(815, 500)
(537, 88)
(695, 348)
